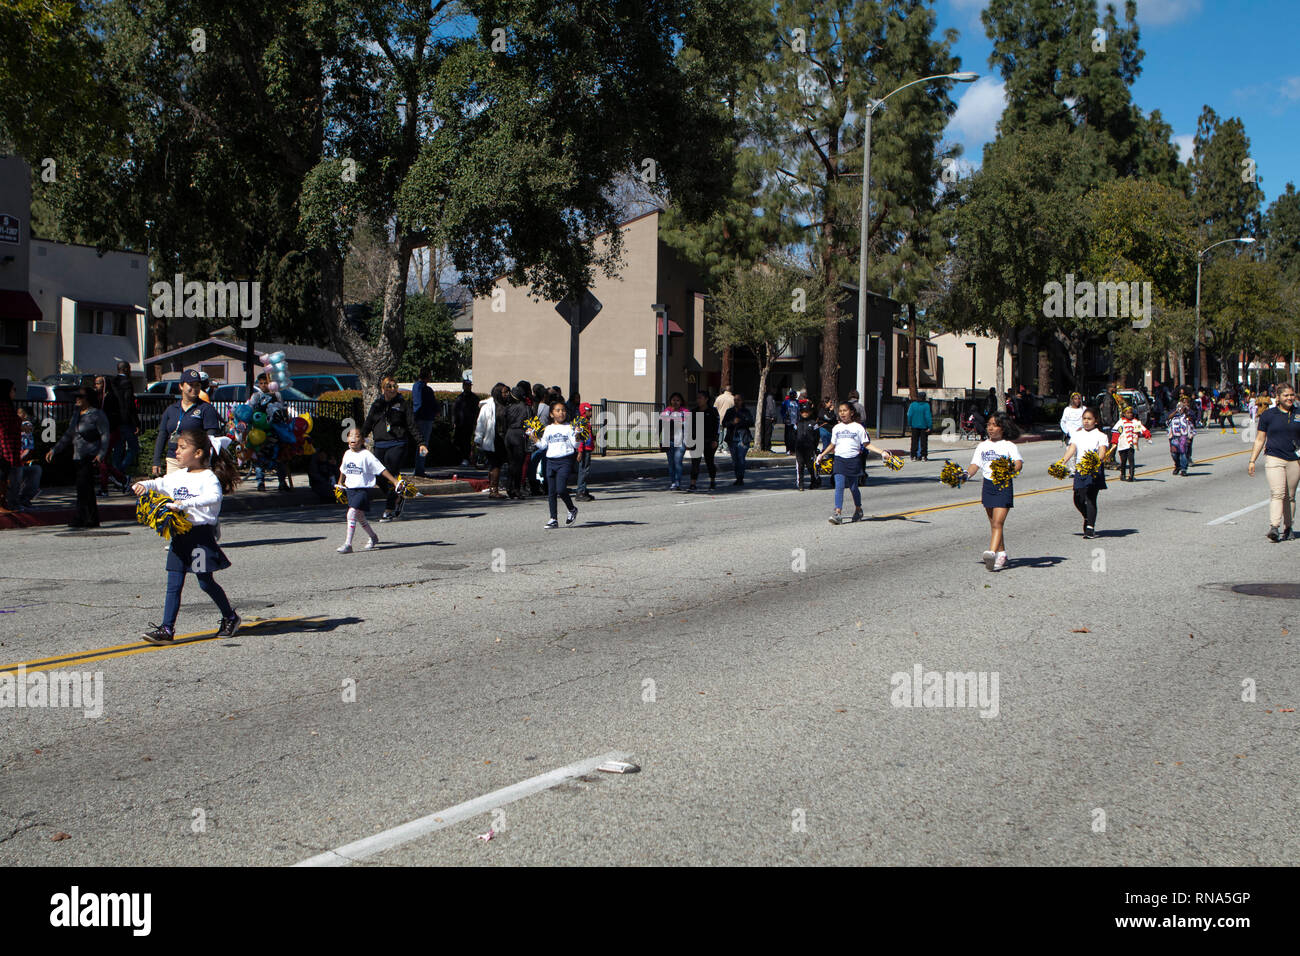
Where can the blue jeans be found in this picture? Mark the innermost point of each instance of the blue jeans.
(425, 428)
(584, 466)
(675, 455)
(557, 482)
(1182, 459)
(24, 485)
(127, 450)
(261, 472)
(852, 482)
(738, 452)
(176, 583)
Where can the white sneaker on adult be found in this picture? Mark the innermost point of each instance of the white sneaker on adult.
(989, 558)
(1001, 562)
(372, 543)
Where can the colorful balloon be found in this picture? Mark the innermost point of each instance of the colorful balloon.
(256, 436)
(259, 420)
(243, 413)
(306, 416)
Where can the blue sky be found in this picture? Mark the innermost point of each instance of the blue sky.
(1241, 58)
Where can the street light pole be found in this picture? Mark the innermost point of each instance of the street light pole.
(868, 113)
(1200, 257)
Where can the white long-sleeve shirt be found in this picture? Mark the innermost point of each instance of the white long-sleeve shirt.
(198, 491)
(558, 440)
(1071, 420)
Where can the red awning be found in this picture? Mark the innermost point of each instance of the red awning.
(19, 305)
(673, 327)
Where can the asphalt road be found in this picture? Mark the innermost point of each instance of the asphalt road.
(736, 646)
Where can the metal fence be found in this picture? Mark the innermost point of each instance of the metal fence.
(150, 408)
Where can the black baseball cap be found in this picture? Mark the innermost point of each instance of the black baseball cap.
(189, 375)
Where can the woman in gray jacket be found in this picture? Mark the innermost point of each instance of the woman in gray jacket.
(88, 436)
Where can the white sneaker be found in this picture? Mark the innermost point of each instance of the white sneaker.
(346, 549)
(372, 544)
(573, 516)
(551, 524)
(989, 558)
(1001, 562)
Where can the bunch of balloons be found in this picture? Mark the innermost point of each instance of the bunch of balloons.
(276, 369)
(261, 426)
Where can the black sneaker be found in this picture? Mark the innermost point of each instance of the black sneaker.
(229, 625)
(1273, 535)
(1286, 534)
(857, 515)
(161, 634)
(573, 516)
(386, 516)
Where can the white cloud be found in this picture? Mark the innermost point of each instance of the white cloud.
(978, 112)
(1184, 144)
(1152, 13)
(1291, 88)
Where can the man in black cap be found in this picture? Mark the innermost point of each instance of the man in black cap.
(188, 412)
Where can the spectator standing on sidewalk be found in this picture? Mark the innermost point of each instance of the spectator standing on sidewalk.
(188, 412)
(464, 417)
(859, 412)
(126, 451)
(706, 441)
(726, 398)
(111, 408)
(424, 409)
(770, 411)
(738, 425)
(11, 444)
(920, 419)
(392, 421)
(585, 449)
(87, 434)
(489, 435)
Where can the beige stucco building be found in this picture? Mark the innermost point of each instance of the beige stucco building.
(519, 337)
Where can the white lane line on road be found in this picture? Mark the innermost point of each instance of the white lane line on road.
(1238, 514)
(388, 839)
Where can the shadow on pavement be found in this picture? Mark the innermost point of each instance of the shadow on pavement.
(257, 541)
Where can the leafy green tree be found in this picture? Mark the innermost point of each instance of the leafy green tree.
(430, 340)
(1282, 233)
(763, 309)
(1243, 309)
(1226, 191)
(805, 110)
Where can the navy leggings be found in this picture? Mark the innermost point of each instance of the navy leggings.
(176, 583)
(557, 481)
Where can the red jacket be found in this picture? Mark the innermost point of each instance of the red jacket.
(11, 434)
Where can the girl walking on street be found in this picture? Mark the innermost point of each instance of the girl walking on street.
(357, 474)
(560, 444)
(1279, 438)
(850, 444)
(997, 501)
(1089, 438)
(1181, 431)
(672, 437)
(206, 474)
(1125, 436)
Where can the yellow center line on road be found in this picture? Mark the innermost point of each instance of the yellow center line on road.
(123, 650)
(1043, 491)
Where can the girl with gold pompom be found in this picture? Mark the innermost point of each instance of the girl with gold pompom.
(206, 473)
(1088, 483)
(997, 497)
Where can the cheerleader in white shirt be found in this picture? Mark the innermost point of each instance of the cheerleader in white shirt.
(1086, 487)
(997, 502)
(357, 473)
(850, 444)
(561, 446)
(204, 475)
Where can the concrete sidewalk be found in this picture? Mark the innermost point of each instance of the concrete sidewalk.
(55, 506)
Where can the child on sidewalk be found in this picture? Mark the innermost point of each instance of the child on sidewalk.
(357, 475)
(206, 473)
(559, 443)
(1125, 436)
